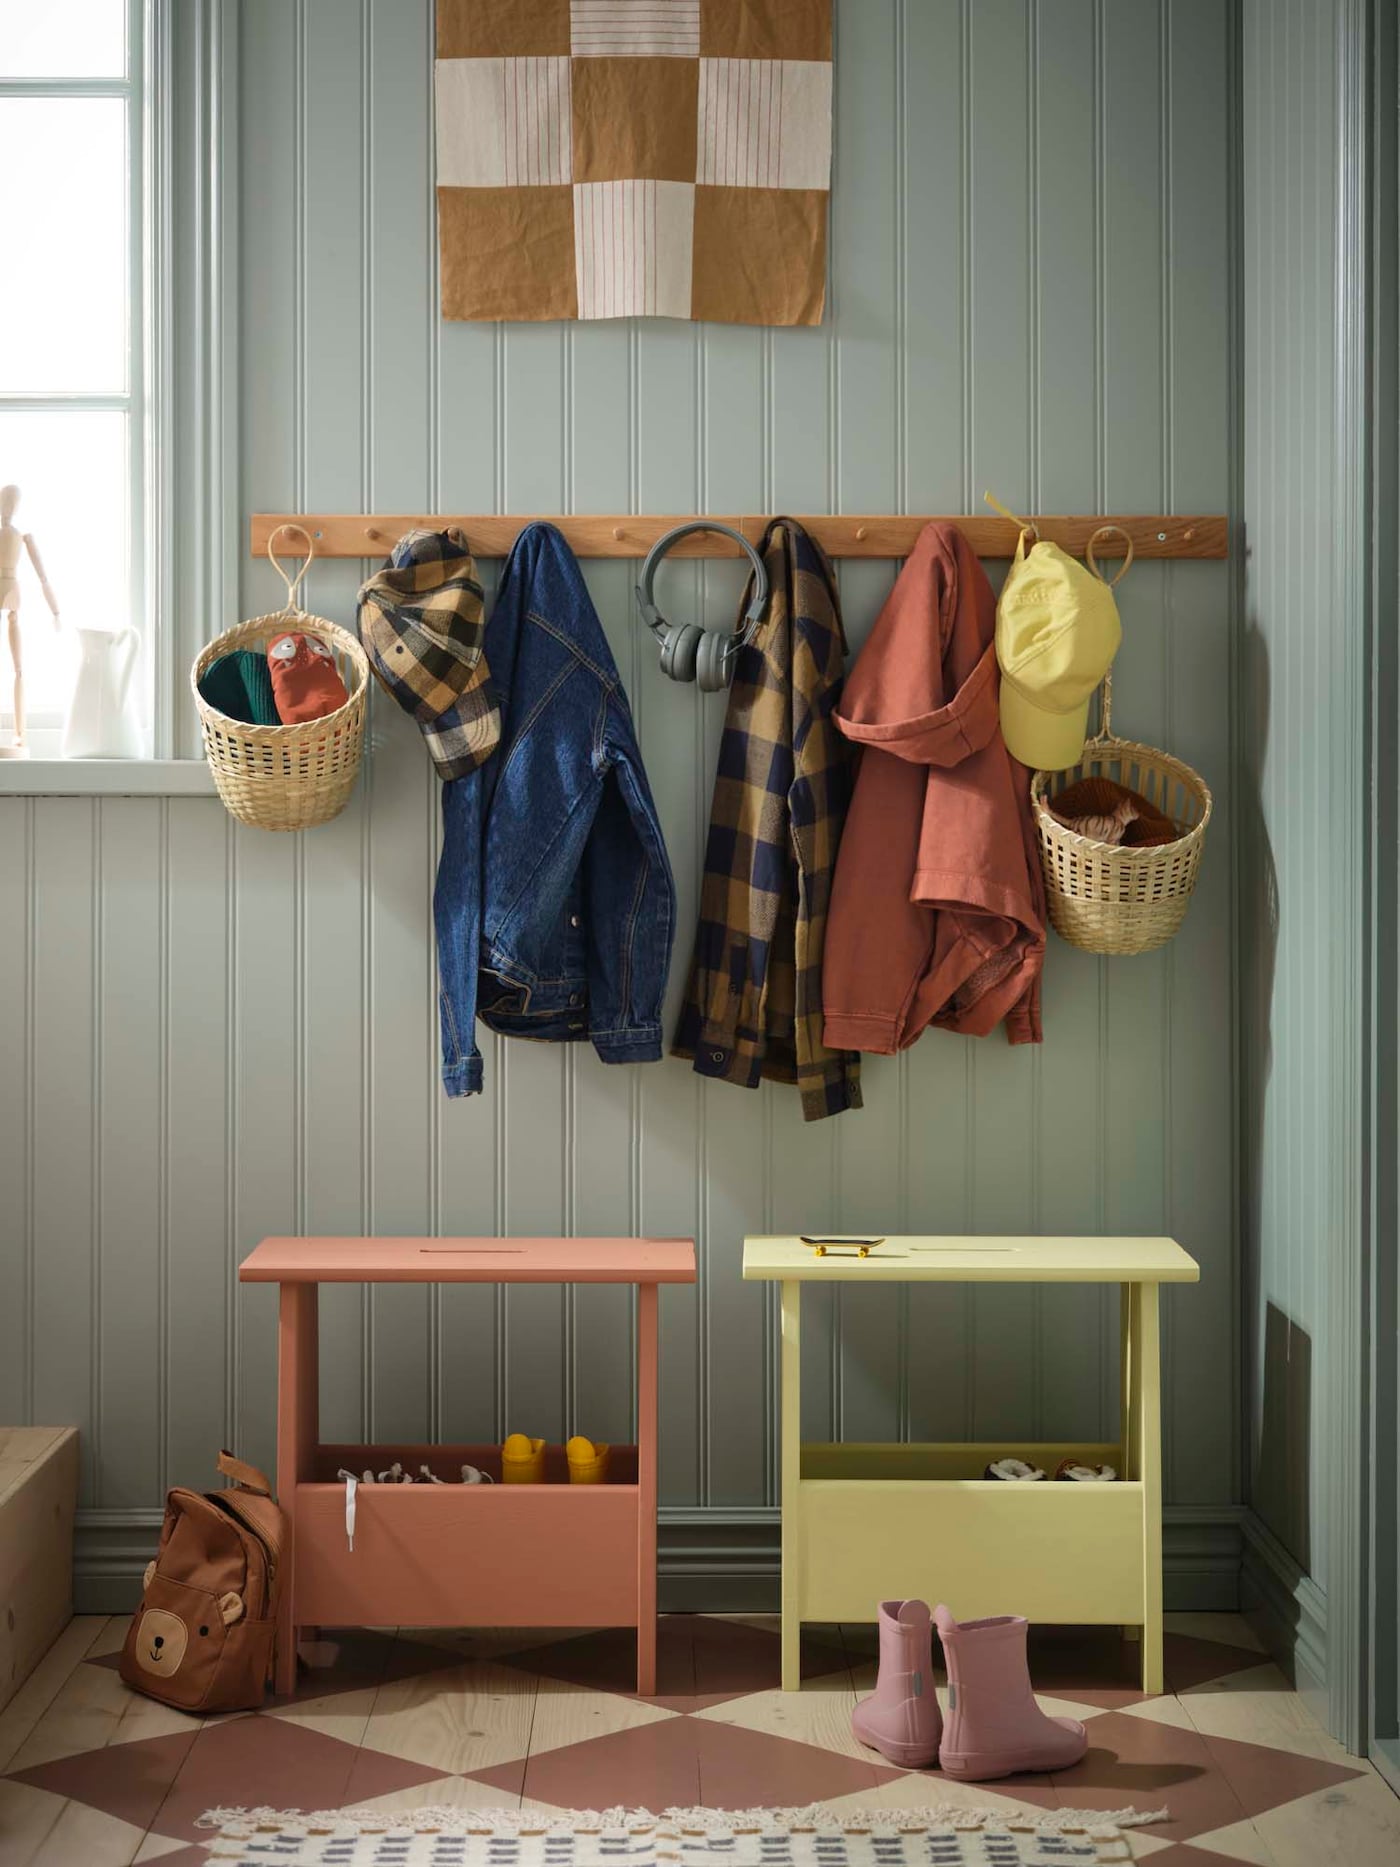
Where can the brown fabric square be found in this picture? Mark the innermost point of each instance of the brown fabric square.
(765, 28)
(759, 255)
(635, 119)
(507, 253)
(502, 28)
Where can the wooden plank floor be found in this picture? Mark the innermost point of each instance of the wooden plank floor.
(93, 1774)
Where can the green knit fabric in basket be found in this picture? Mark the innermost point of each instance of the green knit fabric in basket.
(240, 686)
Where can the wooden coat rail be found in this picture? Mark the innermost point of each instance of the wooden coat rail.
(631, 535)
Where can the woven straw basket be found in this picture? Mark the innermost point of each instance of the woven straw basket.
(286, 777)
(1101, 897)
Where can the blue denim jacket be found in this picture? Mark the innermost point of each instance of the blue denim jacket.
(554, 905)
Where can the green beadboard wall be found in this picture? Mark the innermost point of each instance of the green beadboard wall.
(211, 1035)
(1286, 664)
(1303, 824)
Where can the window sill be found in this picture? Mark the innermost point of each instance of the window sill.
(105, 777)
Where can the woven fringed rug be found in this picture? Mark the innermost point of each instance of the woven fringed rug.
(929, 1837)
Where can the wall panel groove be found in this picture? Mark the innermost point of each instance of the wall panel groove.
(1029, 288)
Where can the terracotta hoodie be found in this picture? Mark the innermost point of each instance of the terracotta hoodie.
(937, 907)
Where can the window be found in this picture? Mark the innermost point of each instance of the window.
(71, 331)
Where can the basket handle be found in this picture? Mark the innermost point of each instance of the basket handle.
(293, 583)
(1106, 689)
(1103, 531)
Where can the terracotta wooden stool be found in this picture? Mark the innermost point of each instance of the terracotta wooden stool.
(455, 1555)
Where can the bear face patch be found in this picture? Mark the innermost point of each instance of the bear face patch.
(160, 1642)
(178, 1636)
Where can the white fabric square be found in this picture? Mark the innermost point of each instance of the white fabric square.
(632, 248)
(765, 123)
(634, 28)
(504, 122)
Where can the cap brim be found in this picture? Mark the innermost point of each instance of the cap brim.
(1043, 741)
(466, 735)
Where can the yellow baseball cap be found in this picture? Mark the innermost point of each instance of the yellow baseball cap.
(1057, 633)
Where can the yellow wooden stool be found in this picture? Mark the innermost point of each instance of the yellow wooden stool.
(865, 1523)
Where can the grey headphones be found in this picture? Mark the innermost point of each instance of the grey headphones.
(688, 652)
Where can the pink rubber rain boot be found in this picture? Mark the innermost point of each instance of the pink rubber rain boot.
(995, 1727)
(901, 1718)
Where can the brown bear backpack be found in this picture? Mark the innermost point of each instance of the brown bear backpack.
(202, 1638)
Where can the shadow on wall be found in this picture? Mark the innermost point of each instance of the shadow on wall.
(1277, 1393)
(1258, 932)
(1282, 1490)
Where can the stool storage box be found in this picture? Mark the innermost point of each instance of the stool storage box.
(38, 1495)
(455, 1555)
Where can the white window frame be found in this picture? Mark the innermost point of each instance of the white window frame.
(186, 529)
(136, 90)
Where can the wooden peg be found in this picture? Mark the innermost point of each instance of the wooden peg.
(618, 533)
(862, 533)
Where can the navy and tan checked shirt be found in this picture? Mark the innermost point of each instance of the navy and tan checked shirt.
(753, 1004)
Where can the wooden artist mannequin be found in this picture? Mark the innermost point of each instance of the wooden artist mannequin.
(13, 543)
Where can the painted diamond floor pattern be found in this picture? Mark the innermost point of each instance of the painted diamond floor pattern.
(93, 1775)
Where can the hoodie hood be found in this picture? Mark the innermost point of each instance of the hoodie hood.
(926, 684)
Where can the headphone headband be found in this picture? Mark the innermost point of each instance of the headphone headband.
(652, 617)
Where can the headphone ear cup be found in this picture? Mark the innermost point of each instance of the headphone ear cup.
(679, 643)
(712, 662)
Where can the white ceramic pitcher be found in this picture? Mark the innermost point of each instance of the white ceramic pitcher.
(99, 723)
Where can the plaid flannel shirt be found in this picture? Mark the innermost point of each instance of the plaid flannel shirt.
(753, 1004)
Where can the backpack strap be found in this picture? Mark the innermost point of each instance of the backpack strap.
(245, 1475)
(261, 1517)
(251, 1501)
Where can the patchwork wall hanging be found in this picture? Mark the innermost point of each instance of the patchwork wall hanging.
(621, 158)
